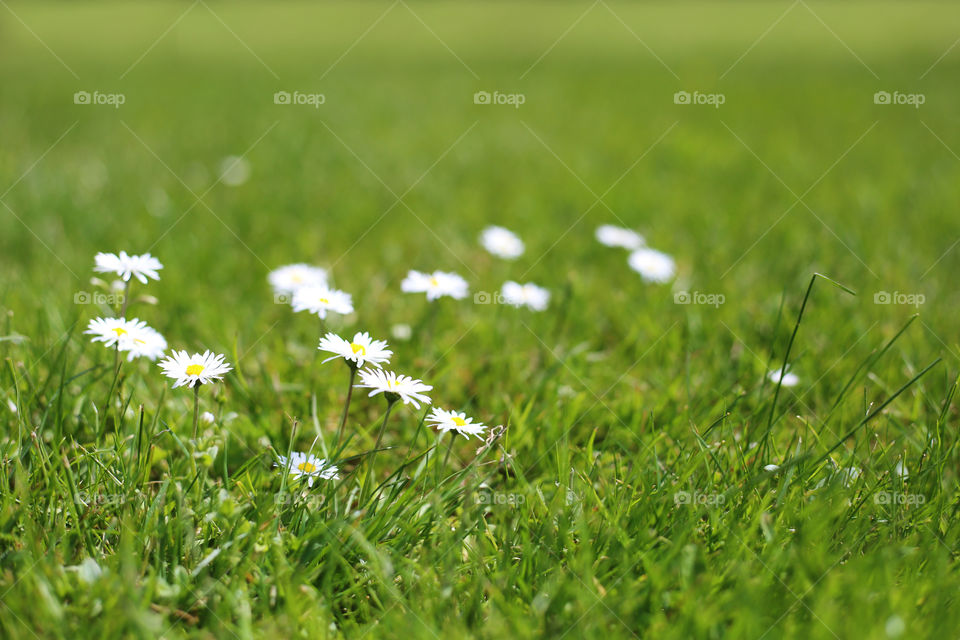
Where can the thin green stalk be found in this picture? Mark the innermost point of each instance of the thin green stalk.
(196, 409)
(346, 406)
(373, 455)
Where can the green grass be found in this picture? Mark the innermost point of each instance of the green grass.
(618, 403)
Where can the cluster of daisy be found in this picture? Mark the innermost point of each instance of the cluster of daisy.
(652, 265)
(136, 339)
(133, 337)
(365, 357)
(498, 241)
(307, 288)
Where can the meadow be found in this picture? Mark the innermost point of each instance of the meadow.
(641, 473)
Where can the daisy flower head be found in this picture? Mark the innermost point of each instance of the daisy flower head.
(194, 370)
(113, 331)
(653, 265)
(142, 341)
(305, 465)
(435, 285)
(287, 279)
(362, 350)
(125, 266)
(786, 379)
(613, 236)
(395, 387)
(502, 242)
(446, 421)
(528, 294)
(320, 299)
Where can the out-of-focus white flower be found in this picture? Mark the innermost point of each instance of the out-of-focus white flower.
(785, 379)
(652, 265)
(502, 242)
(362, 350)
(208, 417)
(613, 236)
(395, 387)
(196, 369)
(287, 279)
(234, 171)
(140, 267)
(771, 467)
(455, 421)
(435, 285)
(322, 299)
(529, 295)
(401, 331)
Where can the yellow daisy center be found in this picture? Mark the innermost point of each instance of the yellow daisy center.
(433, 281)
(324, 301)
(460, 422)
(120, 331)
(297, 278)
(306, 467)
(194, 369)
(358, 348)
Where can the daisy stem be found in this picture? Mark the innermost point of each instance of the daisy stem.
(446, 457)
(368, 485)
(196, 408)
(346, 407)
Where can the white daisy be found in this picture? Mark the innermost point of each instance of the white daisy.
(142, 341)
(528, 294)
(321, 299)
(140, 267)
(287, 279)
(208, 417)
(435, 285)
(613, 236)
(362, 350)
(446, 421)
(396, 387)
(196, 369)
(785, 379)
(653, 265)
(305, 465)
(502, 242)
(113, 331)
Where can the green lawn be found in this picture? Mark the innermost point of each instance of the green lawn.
(630, 493)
